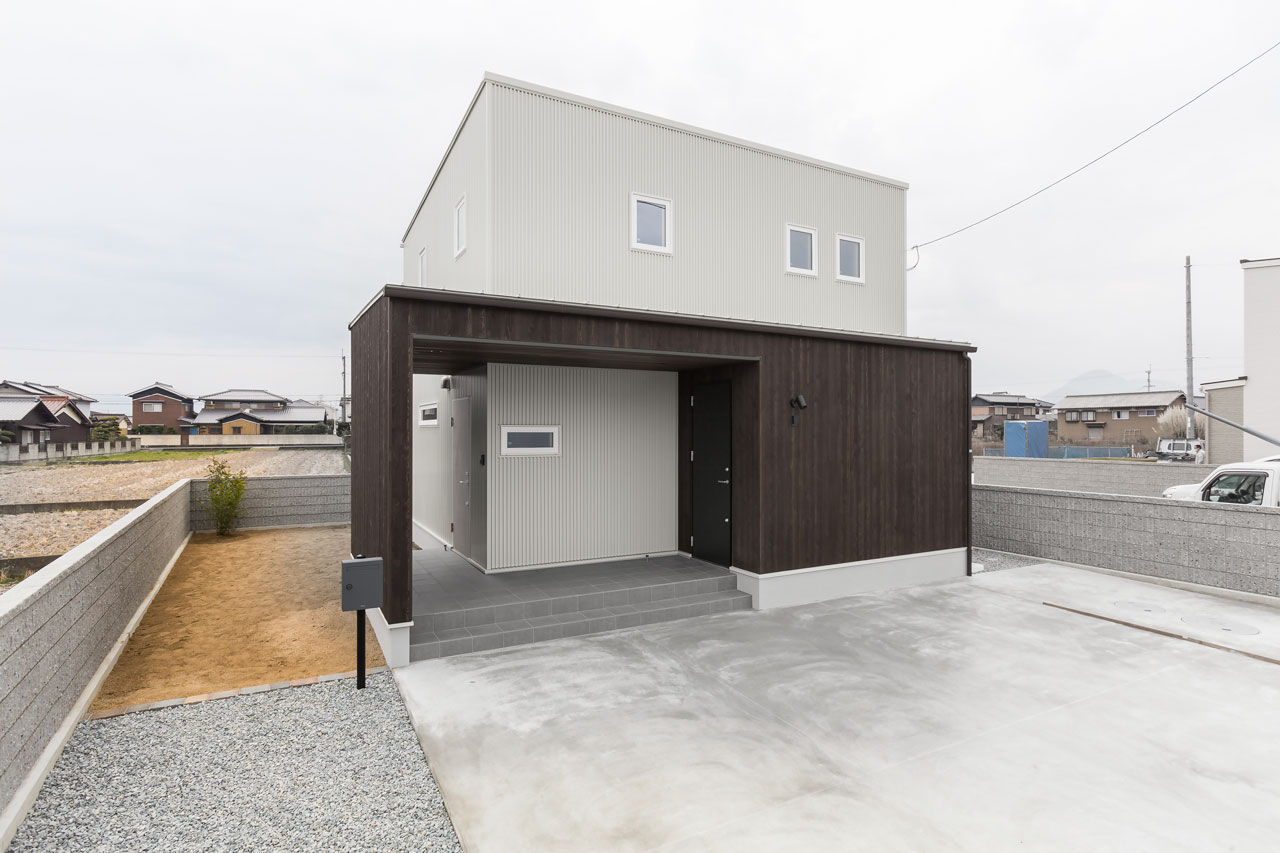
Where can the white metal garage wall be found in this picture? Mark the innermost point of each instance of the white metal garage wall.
(432, 463)
(612, 490)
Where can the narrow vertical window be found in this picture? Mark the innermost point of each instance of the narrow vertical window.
(650, 223)
(849, 258)
(799, 249)
(422, 266)
(460, 227)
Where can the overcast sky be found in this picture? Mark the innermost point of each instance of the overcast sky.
(232, 179)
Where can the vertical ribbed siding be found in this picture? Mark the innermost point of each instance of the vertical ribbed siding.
(562, 175)
(432, 460)
(464, 171)
(611, 491)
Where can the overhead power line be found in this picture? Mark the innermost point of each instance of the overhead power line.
(1104, 154)
(170, 354)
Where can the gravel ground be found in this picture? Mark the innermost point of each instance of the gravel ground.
(322, 767)
(994, 561)
(85, 482)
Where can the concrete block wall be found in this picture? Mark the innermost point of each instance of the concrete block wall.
(58, 626)
(242, 440)
(51, 451)
(1087, 475)
(1231, 547)
(282, 502)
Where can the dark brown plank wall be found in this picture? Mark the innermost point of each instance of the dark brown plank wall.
(877, 465)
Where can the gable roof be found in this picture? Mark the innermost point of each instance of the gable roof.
(159, 387)
(39, 389)
(1004, 398)
(17, 408)
(490, 78)
(1137, 400)
(252, 395)
(287, 415)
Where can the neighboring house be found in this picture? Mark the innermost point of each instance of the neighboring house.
(1226, 443)
(161, 405)
(28, 418)
(988, 411)
(621, 336)
(1254, 397)
(252, 411)
(1115, 419)
(70, 408)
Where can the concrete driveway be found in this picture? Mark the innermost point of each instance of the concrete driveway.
(961, 716)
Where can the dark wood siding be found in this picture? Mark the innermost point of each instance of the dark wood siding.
(876, 466)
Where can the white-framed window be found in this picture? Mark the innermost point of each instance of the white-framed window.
(429, 414)
(849, 259)
(422, 266)
(1071, 417)
(1148, 413)
(460, 227)
(650, 223)
(800, 246)
(153, 407)
(530, 440)
(1120, 414)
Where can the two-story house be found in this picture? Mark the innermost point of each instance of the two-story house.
(621, 336)
(69, 408)
(160, 406)
(253, 411)
(987, 412)
(1115, 419)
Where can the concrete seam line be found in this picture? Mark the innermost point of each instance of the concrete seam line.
(25, 797)
(1162, 633)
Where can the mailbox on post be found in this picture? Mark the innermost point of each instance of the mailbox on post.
(361, 590)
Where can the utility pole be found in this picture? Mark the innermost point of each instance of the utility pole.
(342, 401)
(1191, 385)
(1148, 376)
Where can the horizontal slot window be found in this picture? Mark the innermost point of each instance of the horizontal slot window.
(530, 440)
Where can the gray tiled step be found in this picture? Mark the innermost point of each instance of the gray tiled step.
(425, 624)
(477, 638)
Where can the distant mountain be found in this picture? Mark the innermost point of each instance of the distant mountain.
(1106, 382)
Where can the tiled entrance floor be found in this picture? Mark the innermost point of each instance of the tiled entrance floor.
(458, 609)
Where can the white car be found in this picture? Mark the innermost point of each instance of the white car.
(1256, 483)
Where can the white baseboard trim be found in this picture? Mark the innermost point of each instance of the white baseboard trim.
(25, 797)
(823, 583)
(393, 637)
(422, 535)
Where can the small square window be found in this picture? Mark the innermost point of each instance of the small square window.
(849, 258)
(650, 223)
(429, 414)
(530, 441)
(460, 227)
(800, 242)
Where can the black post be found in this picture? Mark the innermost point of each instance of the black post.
(360, 649)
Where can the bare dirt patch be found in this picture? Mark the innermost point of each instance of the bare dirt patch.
(82, 481)
(255, 607)
(40, 533)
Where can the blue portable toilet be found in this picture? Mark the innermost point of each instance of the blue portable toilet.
(1026, 439)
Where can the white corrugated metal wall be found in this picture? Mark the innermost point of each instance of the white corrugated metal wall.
(432, 462)
(612, 490)
(562, 177)
(464, 171)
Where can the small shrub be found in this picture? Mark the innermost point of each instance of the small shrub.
(226, 489)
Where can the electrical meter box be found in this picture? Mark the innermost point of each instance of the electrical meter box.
(362, 583)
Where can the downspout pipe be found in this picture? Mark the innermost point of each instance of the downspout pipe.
(1252, 432)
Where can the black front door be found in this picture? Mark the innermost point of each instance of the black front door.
(711, 481)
